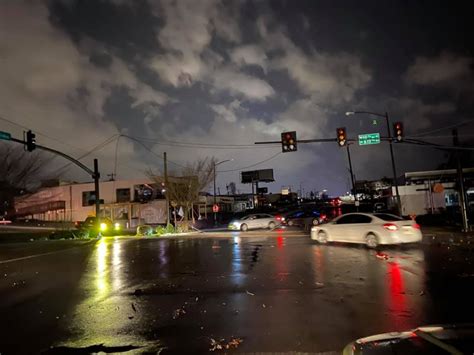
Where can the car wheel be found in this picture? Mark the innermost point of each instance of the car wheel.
(271, 225)
(244, 227)
(371, 241)
(315, 222)
(322, 237)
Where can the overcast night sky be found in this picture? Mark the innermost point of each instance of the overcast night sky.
(226, 73)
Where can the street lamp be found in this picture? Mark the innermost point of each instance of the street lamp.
(394, 171)
(216, 164)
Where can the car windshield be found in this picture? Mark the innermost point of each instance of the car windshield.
(217, 142)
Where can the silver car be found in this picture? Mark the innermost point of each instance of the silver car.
(371, 229)
(254, 221)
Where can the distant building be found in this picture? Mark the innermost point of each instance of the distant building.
(434, 191)
(136, 201)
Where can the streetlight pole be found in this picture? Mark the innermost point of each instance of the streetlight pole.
(215, 201)
(394, 170)
(352, 177)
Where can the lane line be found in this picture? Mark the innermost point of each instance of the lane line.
(42, 254)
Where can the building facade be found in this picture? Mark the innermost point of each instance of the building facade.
(134, 201)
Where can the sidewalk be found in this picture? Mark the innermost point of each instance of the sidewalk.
(447, 235)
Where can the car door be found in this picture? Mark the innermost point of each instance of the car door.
(359, 227)
(263, 220)
(252, 221)
(340, 229)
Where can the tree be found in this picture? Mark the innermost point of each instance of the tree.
(183, 187)
(20, 171)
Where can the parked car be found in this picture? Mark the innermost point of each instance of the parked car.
(254, 221)
(304, 217)
(371, 229)
(91, 226)
(4, 221)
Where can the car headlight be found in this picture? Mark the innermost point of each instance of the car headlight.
(117, 226)
(103, 227)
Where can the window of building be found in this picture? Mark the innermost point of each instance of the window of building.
(88, 198)
(122, 195)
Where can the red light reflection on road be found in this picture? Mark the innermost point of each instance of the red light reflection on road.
(396, 301)
(280, 242)
(281, 261)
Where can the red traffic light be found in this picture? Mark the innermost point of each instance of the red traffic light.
(288, 142)
(341, 136)
(398, 131)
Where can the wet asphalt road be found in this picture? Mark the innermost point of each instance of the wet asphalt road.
(278, 292)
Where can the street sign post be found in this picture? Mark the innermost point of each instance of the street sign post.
(369, 138)
(5, 136)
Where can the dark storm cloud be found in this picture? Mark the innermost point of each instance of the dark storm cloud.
(236, 72)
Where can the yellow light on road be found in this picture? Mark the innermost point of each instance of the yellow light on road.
(103, 227)
(117, 226)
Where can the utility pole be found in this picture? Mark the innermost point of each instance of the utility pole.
(215, 200)
(165, 168)
(461, 191)
(96, 177)
(394, 170)
(352, 178)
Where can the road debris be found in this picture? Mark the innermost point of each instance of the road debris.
(134, 308)
(222, 345)
(178, 312)
(250, 293)
(319, 284)
(381, 256)
(138, 292)
(422, 293)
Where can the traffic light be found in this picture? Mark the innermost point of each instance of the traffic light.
(30, 141)
(341, 136)
(398, 131)
(288, 142)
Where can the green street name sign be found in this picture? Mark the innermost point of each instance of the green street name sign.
(5, 136)
(369, 138)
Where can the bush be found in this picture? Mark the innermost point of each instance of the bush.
(144, 230)
(160, 230)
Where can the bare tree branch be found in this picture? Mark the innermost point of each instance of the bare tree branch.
(183, 188)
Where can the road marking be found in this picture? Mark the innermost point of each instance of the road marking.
(42, 254)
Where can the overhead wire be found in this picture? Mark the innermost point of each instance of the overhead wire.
(40, 133)
(197, 145)
(94, 149)
(444, 128)
(251, 166)
(150, 150)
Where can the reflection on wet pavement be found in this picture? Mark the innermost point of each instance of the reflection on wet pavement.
(276, 294)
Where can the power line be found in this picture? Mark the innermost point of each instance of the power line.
(445, 128)
(251, 166)
(96, 148)
(150, 150)
(195, 145)
(40, 133)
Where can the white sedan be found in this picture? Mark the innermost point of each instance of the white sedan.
(254, 221)
(371, 229)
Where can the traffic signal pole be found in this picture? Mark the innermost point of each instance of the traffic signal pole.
(462, 190)
(394, 170)
(96, 176)
(30, 143)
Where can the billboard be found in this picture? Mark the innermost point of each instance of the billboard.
(264, 175)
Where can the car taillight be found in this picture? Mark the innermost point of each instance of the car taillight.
(278, 218)
(391, 227)
(416, 226)
(323, 216)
